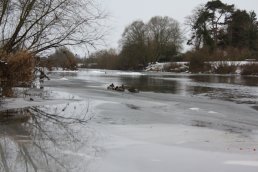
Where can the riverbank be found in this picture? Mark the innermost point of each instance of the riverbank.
(214, 67)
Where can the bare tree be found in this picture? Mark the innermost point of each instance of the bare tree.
(164, 34)
(63, 58)
(158, 40)
(38, 25)
(134, 45)
(103, 59)
(135, 33)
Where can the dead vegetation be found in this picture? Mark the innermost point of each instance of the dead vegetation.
(176, 67)
(224, 67)
(18, 68)
(31, 27)
(250, 69)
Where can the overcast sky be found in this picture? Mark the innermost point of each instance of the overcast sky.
(123, 12)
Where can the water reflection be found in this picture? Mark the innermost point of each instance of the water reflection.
(42, 139)
(226, 79)
(230, 88)
(151, 84)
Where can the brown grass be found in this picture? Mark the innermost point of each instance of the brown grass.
(19, 69)
(250, 69)
(225, 68)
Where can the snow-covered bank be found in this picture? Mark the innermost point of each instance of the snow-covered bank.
(184, 66)
(156, 66)
(37, 97)
(109, 73)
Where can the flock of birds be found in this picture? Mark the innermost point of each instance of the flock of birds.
(122, 88)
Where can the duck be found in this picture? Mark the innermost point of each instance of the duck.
(120, 88)
(111, 87)
(133, 90)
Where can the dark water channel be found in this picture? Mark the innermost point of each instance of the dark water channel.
(239, 89)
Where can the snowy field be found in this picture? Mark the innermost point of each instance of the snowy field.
(151, 131)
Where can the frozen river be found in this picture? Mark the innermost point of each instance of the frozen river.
(178, 122)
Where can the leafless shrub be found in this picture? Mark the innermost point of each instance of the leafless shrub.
(197, 61)
(176, 67)
(250, 69)
(38, 25)
(224, 67)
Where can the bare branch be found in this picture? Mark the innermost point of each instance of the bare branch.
(49, 24)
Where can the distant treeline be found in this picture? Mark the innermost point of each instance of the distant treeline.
(219, 31)
(160, 39)
(62, 58)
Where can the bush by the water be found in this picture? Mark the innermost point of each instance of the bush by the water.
(250, 69)
(224, 68)
(197, 62)
(19, 68)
